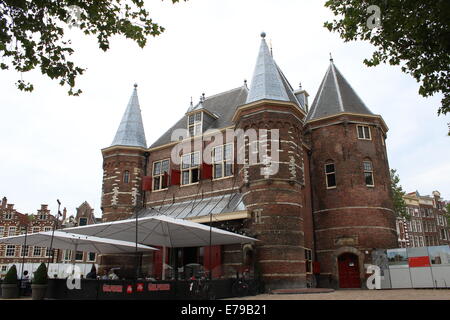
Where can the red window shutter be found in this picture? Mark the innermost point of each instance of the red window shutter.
(206, 171)
(316, 267)
(147, 183)
(215, 263)
(175, 177)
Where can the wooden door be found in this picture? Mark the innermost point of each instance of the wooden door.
(348, 271)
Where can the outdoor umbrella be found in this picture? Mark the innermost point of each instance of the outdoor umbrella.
(76, 242)
(162, 231)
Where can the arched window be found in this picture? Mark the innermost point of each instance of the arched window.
(330, 174)
(368, 173)
(126, 176)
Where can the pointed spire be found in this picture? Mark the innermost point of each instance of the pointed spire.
(266, 82)
(335, 95)
(131, 129)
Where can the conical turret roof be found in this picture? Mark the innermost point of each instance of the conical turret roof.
(335, 95)
(131, 129)
(267, 82)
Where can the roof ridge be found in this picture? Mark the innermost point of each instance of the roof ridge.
(224, 92)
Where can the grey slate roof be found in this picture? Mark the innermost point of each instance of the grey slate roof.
(335, 95)
(197, 208)
(267, 81)
(223, 105)
(131, 129)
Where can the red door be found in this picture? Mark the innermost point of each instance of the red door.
(348, 271)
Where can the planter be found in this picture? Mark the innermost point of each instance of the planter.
(38, 291)
(10, 291)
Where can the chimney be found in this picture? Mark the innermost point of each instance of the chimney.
(4, 202)
(64, 214)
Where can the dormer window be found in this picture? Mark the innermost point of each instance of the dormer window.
(195, 124)
(8, 216)
(42, 216)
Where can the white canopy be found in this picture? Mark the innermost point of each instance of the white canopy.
(77, 242)
(162, 231)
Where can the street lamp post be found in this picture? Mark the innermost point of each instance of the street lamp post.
(55, 225)
(24, 248)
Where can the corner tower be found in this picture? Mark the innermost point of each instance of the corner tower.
(123, 165)
(352, 202)
(277, 200)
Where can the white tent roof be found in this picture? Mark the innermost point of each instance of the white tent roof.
(162, 231)
(79, 242)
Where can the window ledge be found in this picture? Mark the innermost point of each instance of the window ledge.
(190, 184)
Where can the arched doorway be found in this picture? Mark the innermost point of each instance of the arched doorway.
(348, 267)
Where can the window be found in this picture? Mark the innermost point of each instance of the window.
(48, 252)
(412, 242)
(42, 216)
(443, 234)
(368, 173)
(160, 174)
(257, 215)
(330, 174)
(91, 256)
(37, 251)
(11, 231)
(2, 231)
(47, 229)
(8, 216)
(126, 176)
(414, 228)
(308, 260)
(82, 221)
(421, 241)
(417, 241)
(223, 161)
(419, 226)
(4, 268)
(67, 255)
(190, 168)
(364, 133)
(79, 256)
(25, 251)
(36, 229)
(195, 124)
(10, 250)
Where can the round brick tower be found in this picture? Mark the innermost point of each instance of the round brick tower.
(273, 120)
(352, 201)
(123, 170)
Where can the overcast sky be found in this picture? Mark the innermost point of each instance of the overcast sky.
(50, 143)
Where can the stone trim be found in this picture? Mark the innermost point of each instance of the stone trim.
(355, 227)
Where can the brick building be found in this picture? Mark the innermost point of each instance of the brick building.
(311, 183)
(14, 223)
(428, 224)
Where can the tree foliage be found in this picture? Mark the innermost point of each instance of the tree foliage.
(412, 33)
(40, 275)
(11, 275)
(32, 33)
(397, 196)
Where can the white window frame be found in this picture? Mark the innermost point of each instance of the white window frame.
(82, 256)
(47, 229)
(36, 249)
(222, 162)
(67, 255)
(364, 136)
(330, 173)
(308, 260)
(89, 256)
(160, 175)
(8, 216)
(126, 177)
(10, 250)
(192, 166)
(368, 171)
(79, 221)
(33, 230)
(2, 231)
(22, 249)
(195, 124)
(12, 231)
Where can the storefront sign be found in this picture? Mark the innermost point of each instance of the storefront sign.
(158, 287)
(112, 288)
(416, 262)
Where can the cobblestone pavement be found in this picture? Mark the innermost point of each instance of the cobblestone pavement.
(398, 294)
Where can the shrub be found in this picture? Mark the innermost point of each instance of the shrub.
(40, 275)
(11, 276)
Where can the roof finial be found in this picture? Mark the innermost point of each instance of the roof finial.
(331, 57)
(300, 85)
(263, 34)
(245, 83)
(135, 85)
